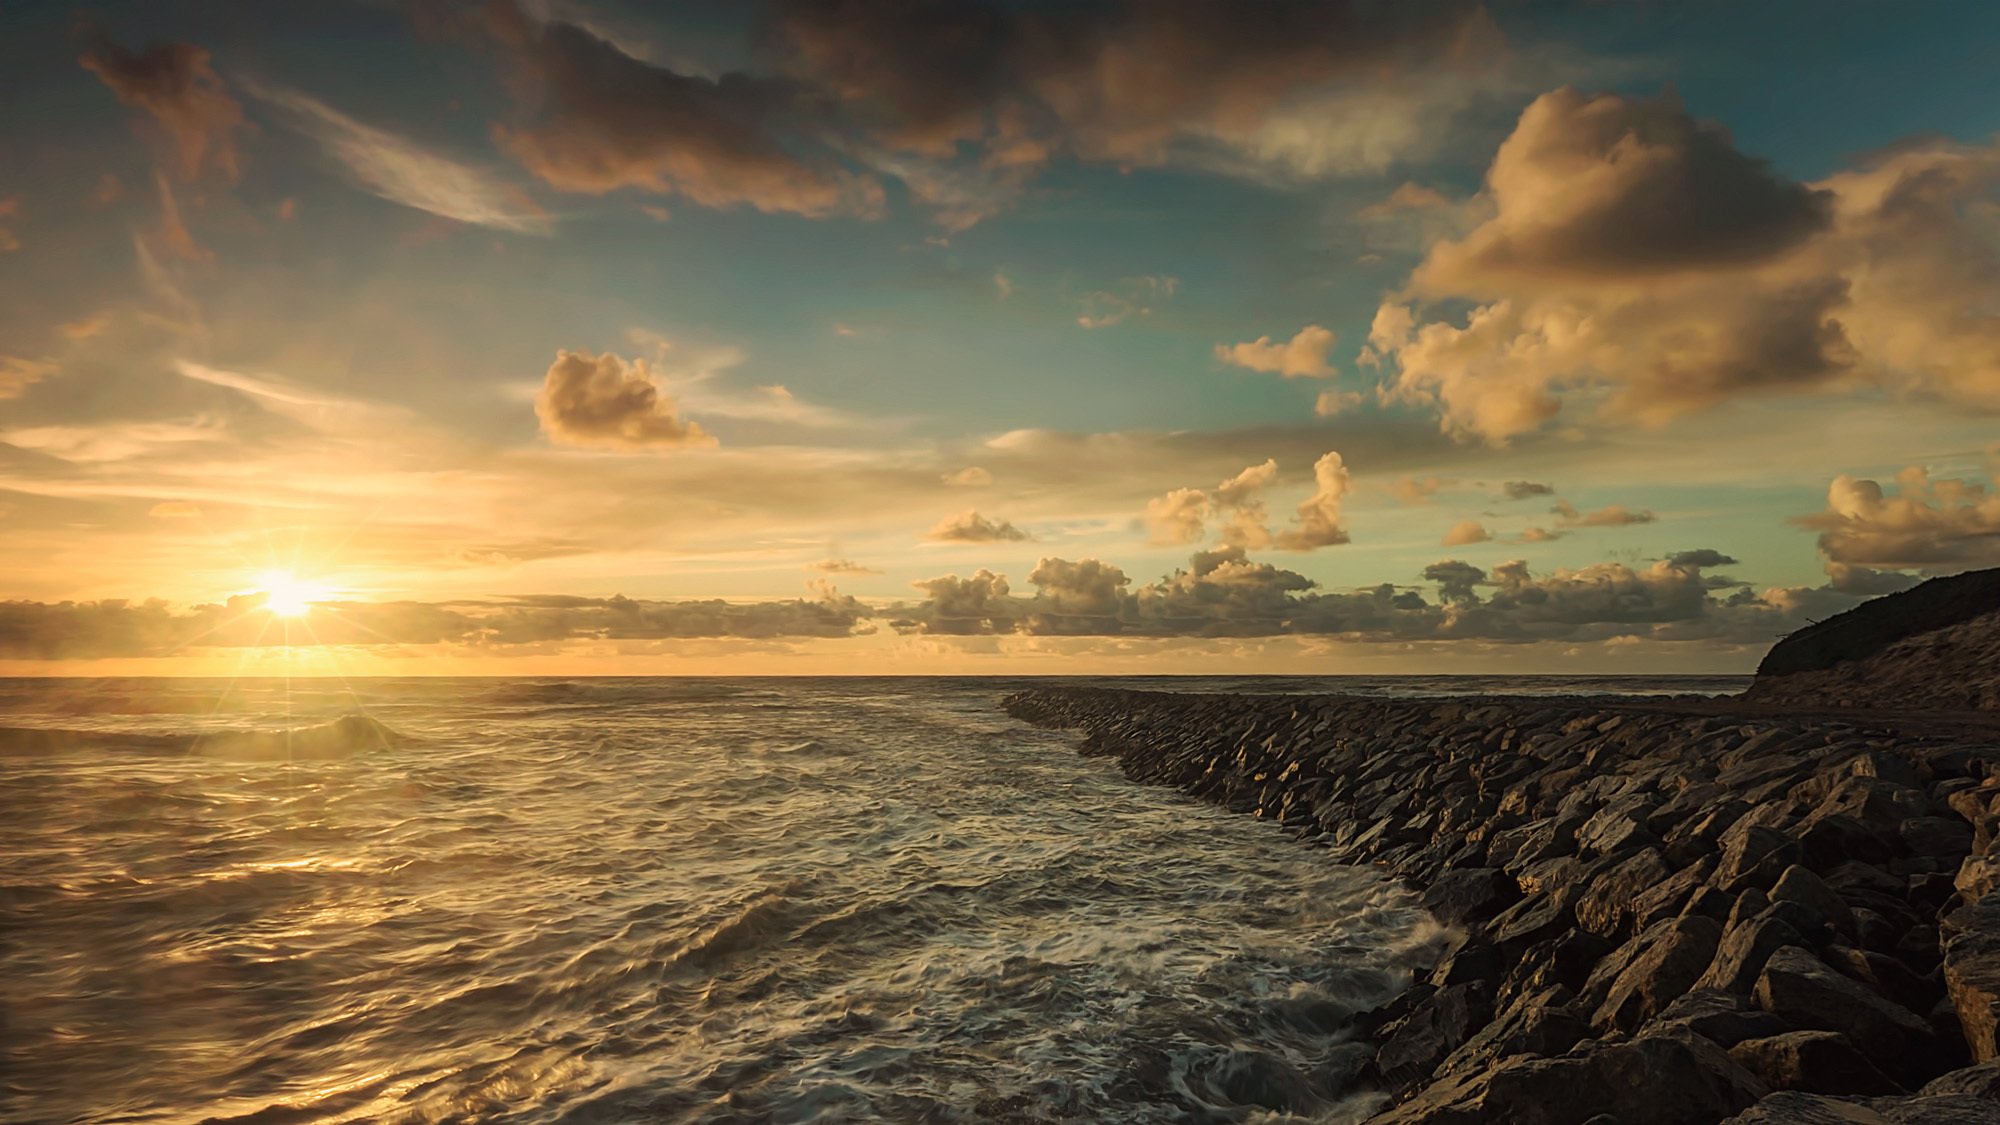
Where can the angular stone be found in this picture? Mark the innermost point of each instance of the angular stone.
(1675, 953)
(1743, 951)
(1945, 837)
(1754, 857)
(1605, 908)
(1820, 1062)
(1972, 974)
(1543, 1024)
(1668, 1079)
(1799, 885)
(1799, 987)
(1720, 1017)
(1980, 1081)
(1433, 1030)
(1468, 895)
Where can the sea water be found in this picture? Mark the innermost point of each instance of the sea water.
(658, 900)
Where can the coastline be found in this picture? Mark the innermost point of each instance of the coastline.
(1674, 910)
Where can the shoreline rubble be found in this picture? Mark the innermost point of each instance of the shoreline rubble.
(1673, 912)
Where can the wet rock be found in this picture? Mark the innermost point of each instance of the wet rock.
(1651, 1080)
(1822, 1062)
(1800, 988)
(1468, 895)
(1433, 1030)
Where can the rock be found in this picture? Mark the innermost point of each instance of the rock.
(1800, 988)
(1666, 897)
(1605, 908)
(1946, 837)
(1540, 1024)
(1673, 955)
(1972, 974)
(1754, 857)
(1469, 895)
(1981, 1081)
(1618, 826)
(1821, 1062)
(1433, 1029)
(1799, 885)
(1719, 1017)
(1743, 951)
(1664, 1079)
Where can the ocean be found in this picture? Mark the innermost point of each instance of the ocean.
(662, 900)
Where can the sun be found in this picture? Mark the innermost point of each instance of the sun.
(286, 595)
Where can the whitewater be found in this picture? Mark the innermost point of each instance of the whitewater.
(682, 900)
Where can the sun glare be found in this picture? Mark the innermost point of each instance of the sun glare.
(288, 596)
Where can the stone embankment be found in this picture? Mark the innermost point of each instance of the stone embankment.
(1670, 915)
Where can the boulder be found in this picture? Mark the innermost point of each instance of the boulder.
(1667, 1079)
(1743, 950)
(1722, 1018)
(1980, 1081)
(1433, 1029)
(1754, 856)
(1800, 988)
(1821, 1062)
(1799, 885)
(1672, 956)
(1469, 895)
(1972, 974)
(1605, 907)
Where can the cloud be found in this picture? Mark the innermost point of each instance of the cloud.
(10, 209)
(969, 99)
(174, 510)
(972, 476)
(1635, 258)
(1526, 489)
(1331, 403)
(1302, 357)
(841, 566)
(18, 374)
(1223, 593)
(1411, 491)
(604, 402)
(176, 85)
(88, 630)
(1319, 521)
(1466, 532)
(400, 171)
(971, 527)
(174, 236)
(604, 120)
(1927, 525)
(1407, 197)
(1132, 297)
(1615, 515)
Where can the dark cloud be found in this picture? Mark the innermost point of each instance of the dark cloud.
(178, 87)
(971, 527)
(604, 120)
(1605, 185)
(89, 630)
(1615, 515)
(1524, 489)
(605, 402)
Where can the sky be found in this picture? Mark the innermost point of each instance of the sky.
(962, 337)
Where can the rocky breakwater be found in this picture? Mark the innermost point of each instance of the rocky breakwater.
(1671, 914)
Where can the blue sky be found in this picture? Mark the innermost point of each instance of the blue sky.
(473, 305)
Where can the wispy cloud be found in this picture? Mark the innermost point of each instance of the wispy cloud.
(401, 171)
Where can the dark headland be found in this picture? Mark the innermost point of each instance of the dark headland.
(1772, 908)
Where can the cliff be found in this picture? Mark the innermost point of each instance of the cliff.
(1933, 647)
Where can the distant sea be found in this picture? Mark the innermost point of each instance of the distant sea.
(663, 900)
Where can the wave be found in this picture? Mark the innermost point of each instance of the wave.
(344, 737)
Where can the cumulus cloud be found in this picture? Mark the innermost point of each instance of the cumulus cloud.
(1330, 403)
(1224, 593)
(1614, 515)
(1408, 196)
(1184, 514)
(1466, 532)
(1634, 253)
(1319, 521)
(604, 402)
(176, 85)
(1412, 491)
(1926, 525)
(1526, 489)
(1301, 357)
(971, 527)
(604, 120)
(401, 171)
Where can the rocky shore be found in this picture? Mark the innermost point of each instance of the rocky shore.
(1670, 915)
